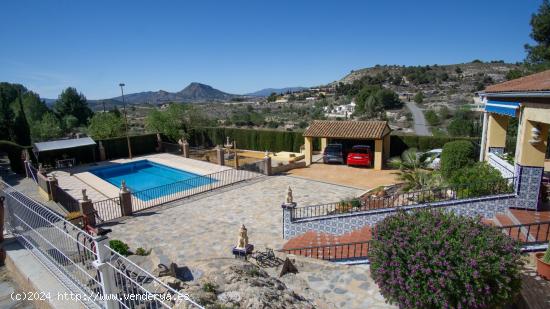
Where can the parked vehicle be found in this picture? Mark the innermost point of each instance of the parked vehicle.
(433, 158)
(360, 155)
(333, 153)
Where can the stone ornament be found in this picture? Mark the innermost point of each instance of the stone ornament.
(84, 195)
(535, 136)
(289, 199)
(123, 187)
(243, 238)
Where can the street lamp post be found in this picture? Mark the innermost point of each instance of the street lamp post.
(126, 120)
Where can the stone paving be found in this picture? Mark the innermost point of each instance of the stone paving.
(334, 286)
(208, 226)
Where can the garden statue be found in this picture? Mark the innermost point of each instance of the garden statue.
(289, 199)
(123, 187)
(84, 196)
(243, 238)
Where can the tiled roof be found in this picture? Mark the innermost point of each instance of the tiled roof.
(535, 82)
(348, 129)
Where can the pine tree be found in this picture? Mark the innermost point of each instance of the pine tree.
(6, 118)
(22, 131)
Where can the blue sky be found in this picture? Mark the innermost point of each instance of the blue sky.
(242, 46)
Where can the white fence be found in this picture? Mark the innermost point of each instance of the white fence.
(84, 264)
(506, 169)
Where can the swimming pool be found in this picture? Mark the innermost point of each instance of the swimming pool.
(140, 176)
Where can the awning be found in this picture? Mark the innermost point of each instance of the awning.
(63, 144)
(502, 107)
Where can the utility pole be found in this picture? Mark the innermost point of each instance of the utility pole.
(126, 120)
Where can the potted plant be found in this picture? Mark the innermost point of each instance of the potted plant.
(543, 263)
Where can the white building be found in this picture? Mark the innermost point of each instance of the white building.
(340, 111)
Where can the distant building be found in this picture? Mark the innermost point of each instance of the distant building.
(340, 111)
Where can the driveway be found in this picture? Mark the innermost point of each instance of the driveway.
(356, 177)
(420, 125)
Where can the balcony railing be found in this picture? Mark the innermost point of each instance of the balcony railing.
(434, 195)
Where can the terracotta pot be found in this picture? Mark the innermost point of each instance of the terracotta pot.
(543, 269)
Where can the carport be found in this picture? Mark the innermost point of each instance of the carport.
(353, 132)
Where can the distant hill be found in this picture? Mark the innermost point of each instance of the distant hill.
(193, 93)
(450, 85)
(267, 91)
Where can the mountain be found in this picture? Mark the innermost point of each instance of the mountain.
(267, 91)
(197, 92)
(193, 93)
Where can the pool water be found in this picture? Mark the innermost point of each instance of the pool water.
(142, 176)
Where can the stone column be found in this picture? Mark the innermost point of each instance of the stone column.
(52, 184)
(378, 145)
(27, 169)
(530, 154)
(496, 133)
(324, 143)
(483, 137)
(288, 229)
(185, 148)
(308, 147)
(102, 154)
(220, 155)
(125, 200)
(87, 209)
(267, 165)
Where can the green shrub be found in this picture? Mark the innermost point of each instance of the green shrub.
(456, 155)
(141, 251)
(434, 259)
(119, 246)
(431, 117)
(479, 179)
(209, 287)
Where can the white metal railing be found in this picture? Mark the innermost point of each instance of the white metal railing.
(146, 290)
(506, 169)
(54, 240)
(84, 263)
(31, 170)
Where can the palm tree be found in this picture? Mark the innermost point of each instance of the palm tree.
(413, 172)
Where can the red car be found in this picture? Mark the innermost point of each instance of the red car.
(360, 155)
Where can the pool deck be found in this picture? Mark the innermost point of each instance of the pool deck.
(75, 179)
(207, 227)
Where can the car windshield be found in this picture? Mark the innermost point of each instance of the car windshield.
(360, 150)
(333, 149)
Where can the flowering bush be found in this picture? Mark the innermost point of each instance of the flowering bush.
(433, 259)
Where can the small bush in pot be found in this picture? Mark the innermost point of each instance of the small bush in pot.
(434, 259)
(543, 263)
(119, 246)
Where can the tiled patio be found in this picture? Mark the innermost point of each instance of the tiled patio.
(207, 227)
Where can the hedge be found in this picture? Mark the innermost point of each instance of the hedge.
(273, 140)
(400, 143)
(261, 140)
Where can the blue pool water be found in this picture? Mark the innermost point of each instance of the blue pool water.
(149, 180)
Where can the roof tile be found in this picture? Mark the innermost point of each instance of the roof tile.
(348, 129)
(535, 82)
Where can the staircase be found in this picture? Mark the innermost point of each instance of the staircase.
(531, 228)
